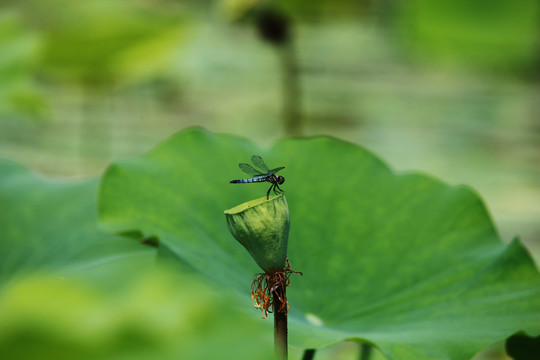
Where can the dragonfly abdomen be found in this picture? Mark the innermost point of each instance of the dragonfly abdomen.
(252, 180)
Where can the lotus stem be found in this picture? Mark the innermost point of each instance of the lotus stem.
(309, 354)
(280, 327)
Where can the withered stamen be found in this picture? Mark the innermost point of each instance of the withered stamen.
(266, 284)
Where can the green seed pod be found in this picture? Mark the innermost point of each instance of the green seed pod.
(262, 227)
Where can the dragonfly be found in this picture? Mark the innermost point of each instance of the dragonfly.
(261, 176)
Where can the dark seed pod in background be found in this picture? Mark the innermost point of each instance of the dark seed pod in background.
(273, 26)
(521, 346)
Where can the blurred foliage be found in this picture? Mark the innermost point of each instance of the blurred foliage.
(105, 43)
(323, 9)
(20, 95)
(154, 314)
(405, 262)
(303, 10)
(491, 36)
(234, 10)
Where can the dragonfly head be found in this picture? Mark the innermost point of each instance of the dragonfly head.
(280, 180)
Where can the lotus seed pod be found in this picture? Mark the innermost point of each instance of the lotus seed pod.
(262, 227)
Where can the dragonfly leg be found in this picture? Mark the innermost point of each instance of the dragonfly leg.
(268, 192)
(276, 186)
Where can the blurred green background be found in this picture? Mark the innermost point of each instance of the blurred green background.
(449, 88)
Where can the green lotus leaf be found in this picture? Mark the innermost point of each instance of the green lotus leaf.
(51, 225)
(402, 261)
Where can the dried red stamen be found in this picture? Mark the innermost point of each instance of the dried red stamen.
(266, 284)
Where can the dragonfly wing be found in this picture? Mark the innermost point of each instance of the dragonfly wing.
(248, 169)
(258, 162)
(273, 171)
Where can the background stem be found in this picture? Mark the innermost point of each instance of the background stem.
(365, 351)
(280, 329)
(308, 354)
(290, 89)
